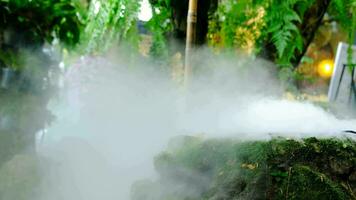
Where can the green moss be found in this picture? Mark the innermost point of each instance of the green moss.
(278, 169)
(305, 183)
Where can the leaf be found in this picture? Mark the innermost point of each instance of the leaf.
(299, 42)
(290, 27)
(274, 27)
(281, 45)
(291, 15)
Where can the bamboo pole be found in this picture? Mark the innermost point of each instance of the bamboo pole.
(191, 39)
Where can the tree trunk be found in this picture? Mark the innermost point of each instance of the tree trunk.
(312, 20)
(191, 39)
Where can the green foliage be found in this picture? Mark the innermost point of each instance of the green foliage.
(307, 179)
(42, 20)
(317, 169)
(275, 22)
(110, 22)
(282, 22)
(159, 25)
(344, 12)
(253, 25)
(10, 58)
(236, 24)
(233, 23)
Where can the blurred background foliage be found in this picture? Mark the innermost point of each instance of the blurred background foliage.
(253, 25)
(267, 28)
(296, 35)
(36, 37)
(286, 32)
(95, 25)
(279, 30)
(290, 33)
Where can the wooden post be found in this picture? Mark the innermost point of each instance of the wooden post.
(191, 39)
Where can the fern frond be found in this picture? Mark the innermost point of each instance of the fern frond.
(282, 26)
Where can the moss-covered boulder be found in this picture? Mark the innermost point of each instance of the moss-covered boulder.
(224, 169)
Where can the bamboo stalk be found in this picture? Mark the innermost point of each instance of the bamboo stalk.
(191, 39)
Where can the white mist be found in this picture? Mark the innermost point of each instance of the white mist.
(112, 121)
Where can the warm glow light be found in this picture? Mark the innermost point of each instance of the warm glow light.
(326, 68)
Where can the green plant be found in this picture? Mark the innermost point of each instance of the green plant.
(10, 59)
(282, 29)
(110, 22)
(238, 25)
(159, 25)
(248, 25)
(344, 12)
(42, 20)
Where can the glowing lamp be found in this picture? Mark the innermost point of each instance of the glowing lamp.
(326, 68)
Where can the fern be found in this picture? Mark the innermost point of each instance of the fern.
(282, 26)
(283, 32)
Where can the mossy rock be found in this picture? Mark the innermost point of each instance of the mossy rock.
(218, 169)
